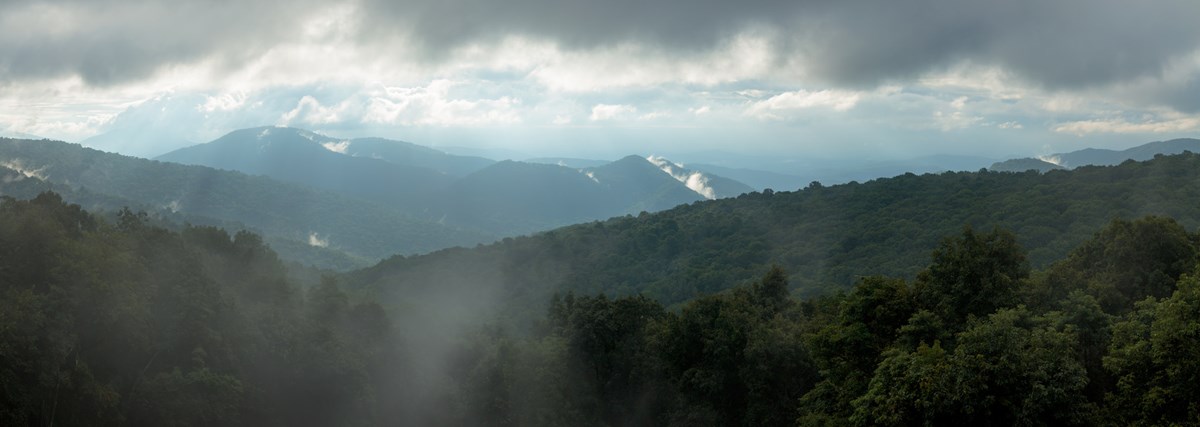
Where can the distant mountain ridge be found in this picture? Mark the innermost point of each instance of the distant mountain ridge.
(343, 203)
(409, 154)
(757, 179)
(795, 174)
(1024, 164)
(145, 143)
(308, 158)
(526, 197)
(1100, 156)
(501, 198)
(523, 197)
(203, 195)
(569, 162)
(18, 135)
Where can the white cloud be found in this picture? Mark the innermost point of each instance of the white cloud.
(315, 240)
(310, 111)
(698, 182)
(434, 105)
(339, 147)
(695, 181)
(779, 106)
(611, 111)
(1120, 125)
(955, 120)
(223, 102)
(654, 115)
(1050, 159)
(988, 82)
(18, 165)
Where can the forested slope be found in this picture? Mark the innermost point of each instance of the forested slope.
(124, 323)
(1097, 339)
(825, 237)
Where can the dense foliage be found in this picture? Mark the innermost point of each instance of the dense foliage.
(124, 323)
(971, 341)
(113, 320)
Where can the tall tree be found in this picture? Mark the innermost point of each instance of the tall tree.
(973, 275)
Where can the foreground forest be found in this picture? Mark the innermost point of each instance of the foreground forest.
(106, 322)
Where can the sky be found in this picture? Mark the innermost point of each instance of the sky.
(857, 79)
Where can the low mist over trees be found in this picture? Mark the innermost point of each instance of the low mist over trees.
(124, 323)
(121, 322)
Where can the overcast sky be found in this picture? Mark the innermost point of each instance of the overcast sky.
(836, 78)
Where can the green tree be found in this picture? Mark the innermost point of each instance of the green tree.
(973, 275)
(1155, 358)
(1125, 262)
(606, 343)
(1010, 369)
(771, 292)
(732, 359)
(848, 351)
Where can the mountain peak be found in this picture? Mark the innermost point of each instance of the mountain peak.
(1024, 164)
(275, 134)
(309, 158)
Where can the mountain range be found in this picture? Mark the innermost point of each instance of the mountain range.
(1097, 156)
(500, 198)
(344, 203)
(764, 173)
(294, 216)
(314, 160)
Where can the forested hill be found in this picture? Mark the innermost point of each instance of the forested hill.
(825, 237)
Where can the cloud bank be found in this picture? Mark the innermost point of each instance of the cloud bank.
(808, 70)
(1064, 43)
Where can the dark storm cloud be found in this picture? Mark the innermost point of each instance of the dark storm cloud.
(114, 41)
(1056, 43)
(680, 24)
(1059, 43)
